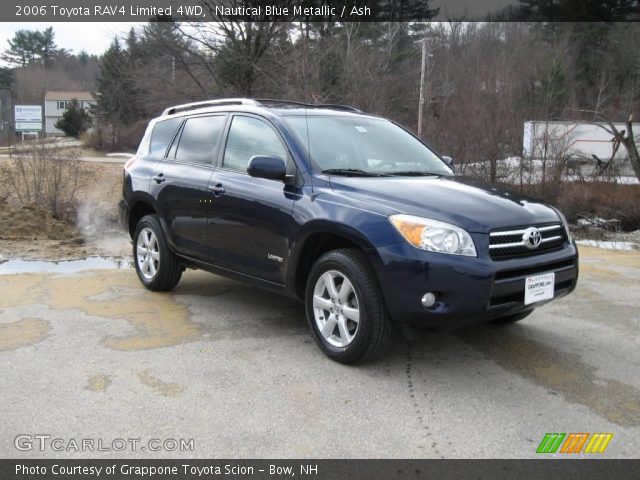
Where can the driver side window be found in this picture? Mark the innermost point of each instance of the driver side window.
(248, 137)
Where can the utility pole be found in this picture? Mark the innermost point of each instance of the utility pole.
(423, 85)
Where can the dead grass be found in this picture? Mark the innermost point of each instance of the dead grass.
(32, 222)
(598, 199)
(30, 231)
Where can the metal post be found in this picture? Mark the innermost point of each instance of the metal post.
(423, 81)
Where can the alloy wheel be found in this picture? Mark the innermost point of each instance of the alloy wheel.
(147, 253)
(336, 308)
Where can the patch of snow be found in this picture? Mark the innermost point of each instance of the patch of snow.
(609, 245)
(515, 170)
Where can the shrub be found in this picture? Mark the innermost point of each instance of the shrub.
(108, 138)
(45, 175)
(75, 120)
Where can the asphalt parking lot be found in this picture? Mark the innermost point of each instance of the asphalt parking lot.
(93, 355)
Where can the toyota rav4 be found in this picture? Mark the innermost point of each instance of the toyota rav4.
(348, 212)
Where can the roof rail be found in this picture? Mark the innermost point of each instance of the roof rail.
(209, 103)
(336, 106)
(254, 102)
(264, 101)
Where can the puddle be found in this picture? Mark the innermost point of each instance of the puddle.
(12, 267)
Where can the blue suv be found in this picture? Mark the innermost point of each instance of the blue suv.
(348, 212)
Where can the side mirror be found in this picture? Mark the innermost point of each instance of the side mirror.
(272, 168)
(448, 161)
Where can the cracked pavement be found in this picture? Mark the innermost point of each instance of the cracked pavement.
(94, 355)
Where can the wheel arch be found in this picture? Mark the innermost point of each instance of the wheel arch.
(316, 240)
(140, 206)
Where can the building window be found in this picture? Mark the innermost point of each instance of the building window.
(62, 104)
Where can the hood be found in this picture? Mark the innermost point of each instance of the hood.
(468, 203)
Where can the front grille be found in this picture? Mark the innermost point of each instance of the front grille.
(518, 297)
(505, 244)
(509, 284)
(535, 270)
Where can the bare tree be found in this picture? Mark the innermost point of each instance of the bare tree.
(624, 137)
(231, 50)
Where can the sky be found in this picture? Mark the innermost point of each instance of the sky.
(94, 37)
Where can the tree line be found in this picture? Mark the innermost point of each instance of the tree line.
(483, 80)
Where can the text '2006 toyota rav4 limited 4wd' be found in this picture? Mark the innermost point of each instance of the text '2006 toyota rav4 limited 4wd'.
(346, 211)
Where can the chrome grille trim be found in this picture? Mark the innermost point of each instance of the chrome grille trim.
(508, 244)
(521, 244)
(521, 231)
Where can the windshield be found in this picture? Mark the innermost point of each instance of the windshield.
(349, 145)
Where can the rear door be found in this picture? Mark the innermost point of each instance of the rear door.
(181, 181)
(250, 218)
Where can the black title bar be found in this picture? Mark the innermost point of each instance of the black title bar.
(318, 10)
(578, 469)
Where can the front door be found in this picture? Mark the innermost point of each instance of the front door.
(250, 217)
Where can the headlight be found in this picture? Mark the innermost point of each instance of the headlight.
(433, 235)
(566, 225)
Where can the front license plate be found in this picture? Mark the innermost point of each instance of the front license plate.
(539, 288)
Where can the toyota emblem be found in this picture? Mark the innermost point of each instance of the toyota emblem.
(532, 238)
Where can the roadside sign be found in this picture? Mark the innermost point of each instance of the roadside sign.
(28, 118)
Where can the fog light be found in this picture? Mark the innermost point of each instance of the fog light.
(428, 300)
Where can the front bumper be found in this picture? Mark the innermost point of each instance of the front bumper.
(468, 290)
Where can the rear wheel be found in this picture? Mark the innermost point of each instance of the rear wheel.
(157, 266)
(512, 318)
(345, 309)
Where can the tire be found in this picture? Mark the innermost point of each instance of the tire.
(511, 318)
(163, 269)
(334, 313)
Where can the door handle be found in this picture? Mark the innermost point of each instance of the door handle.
(217, 189)
(159, 178)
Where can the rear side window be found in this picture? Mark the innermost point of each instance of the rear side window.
(247, 138)
(199, 139)
(162, 135)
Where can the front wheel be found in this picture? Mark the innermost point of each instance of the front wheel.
(156, 265)
(345, 308)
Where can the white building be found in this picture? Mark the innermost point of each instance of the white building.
(55, 103)
(554, 140)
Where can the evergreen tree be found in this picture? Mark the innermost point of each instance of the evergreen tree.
(6, 77)
(74, 121)
(29, 46)
(23, 49)
(83, 57)
(48, 48)
(116, 97)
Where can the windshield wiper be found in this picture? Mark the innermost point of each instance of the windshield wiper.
(415, 173)
(354, 172)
